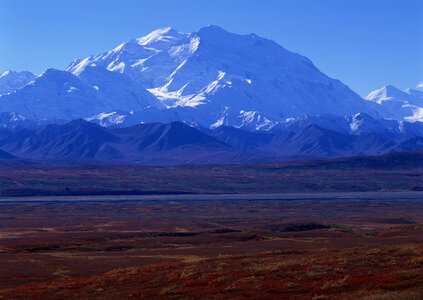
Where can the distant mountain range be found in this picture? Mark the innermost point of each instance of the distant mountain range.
(82, 142)
(246, 99)
(400, 105)
(211, 77)
(10, 81)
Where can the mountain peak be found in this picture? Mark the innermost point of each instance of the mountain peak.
(161, 34)
(391, 88)
(10, 81)
(212, 28)
(229, 78)
(388, 91)
(55, 75)
(16, 73)
(216, 33)
(51, 71)
(398, 104)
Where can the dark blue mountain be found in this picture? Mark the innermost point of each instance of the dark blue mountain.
(174, 143)
(240, 139)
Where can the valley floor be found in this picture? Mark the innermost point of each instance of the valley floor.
(369, 248)
(394, 172)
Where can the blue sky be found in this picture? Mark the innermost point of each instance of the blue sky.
(364, 43)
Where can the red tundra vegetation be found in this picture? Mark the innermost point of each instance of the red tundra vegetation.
(321, 249)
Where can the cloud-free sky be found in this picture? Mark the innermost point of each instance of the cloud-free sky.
(364, 43)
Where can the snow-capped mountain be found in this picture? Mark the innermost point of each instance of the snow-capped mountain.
(358, 124)
(59, 95)
(229, 79)
(207, 78)
(10, 81)
(400, 105)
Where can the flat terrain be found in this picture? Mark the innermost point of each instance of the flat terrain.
(335, 246)
(330, 196)
(393, 172)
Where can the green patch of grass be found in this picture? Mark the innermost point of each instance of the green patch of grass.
(343, 227)
(371, 234)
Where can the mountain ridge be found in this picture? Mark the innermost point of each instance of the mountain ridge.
(401, 105)
(211, 77)
(175, 143)
(13, 80)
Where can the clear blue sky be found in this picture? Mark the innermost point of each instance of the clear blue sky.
(364, 43)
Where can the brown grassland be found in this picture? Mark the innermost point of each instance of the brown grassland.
(359, 249)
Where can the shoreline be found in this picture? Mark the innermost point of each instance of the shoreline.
(327, 196)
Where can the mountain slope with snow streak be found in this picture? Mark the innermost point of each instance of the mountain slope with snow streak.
(10, 81)
(230, 79)
(399, 105)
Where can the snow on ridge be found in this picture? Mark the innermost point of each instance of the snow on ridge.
(162, 34)
(212, 69)
(396, 104)
(73, 89)
(108, 119)
(5, 73)
(10, 81)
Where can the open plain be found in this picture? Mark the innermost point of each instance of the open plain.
(307, 247)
